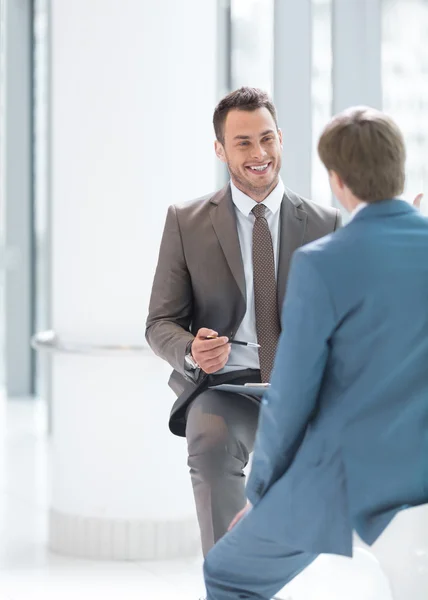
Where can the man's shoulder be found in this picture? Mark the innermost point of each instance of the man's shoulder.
(314, 211)
(201, 204)
(331, 255)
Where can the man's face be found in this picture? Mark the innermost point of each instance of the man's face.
(252, 150)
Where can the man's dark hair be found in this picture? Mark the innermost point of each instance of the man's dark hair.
(246, 98)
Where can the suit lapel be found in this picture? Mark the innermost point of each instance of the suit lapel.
(292, 226)
(293, 221)
(223, 219)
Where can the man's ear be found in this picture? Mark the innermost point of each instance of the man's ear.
(219, 150)
(280, 137)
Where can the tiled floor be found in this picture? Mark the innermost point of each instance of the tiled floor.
(29, 571)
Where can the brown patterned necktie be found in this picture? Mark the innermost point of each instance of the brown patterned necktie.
(265, 292)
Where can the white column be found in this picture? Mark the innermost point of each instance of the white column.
(357, 76)
(292, 89)
(133, 90)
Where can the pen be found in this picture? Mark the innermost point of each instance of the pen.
(237, 342)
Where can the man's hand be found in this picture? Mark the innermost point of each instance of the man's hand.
(240, 515)
(417, 201)
(211, 355)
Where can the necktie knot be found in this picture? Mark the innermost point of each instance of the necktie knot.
(259, 210)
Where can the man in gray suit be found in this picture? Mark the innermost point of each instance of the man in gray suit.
(342, 444)
(222, 273)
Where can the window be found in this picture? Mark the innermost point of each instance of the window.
(2, 192)
(322, 92)
(252, 43)
(405, 83)
(40, 168)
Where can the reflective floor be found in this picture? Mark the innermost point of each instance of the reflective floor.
(28, 570)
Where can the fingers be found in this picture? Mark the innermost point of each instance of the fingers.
(204, 331)
(417, 201)
(210, 354)
(217, 354)
(242, 513)
(210, 345)
(211, 363)
(205, 345)
(236, 520)
(232, 525)
(214, 365)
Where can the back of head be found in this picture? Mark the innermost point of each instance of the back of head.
(365, 148)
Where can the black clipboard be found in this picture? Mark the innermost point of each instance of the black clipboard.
(250, 389)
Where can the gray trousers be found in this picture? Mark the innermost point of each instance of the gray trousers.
(220, 432)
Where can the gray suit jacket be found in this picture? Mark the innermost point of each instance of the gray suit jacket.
(200, 281)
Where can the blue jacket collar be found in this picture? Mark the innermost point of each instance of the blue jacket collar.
(384, 208)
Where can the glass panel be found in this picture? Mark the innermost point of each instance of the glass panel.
(322, 92)
(252, 43)
(405, 83)
(40, 144)
(2, 194)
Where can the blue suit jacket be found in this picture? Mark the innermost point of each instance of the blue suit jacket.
(343, 435)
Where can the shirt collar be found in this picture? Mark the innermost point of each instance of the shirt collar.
(357, 209)
(245, 204)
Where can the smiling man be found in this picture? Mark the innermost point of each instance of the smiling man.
(222, 273)
(253, 149)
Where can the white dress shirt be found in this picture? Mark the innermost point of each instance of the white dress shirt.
(243, 357)
(357, 209)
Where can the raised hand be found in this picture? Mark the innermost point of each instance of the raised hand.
(417, 201)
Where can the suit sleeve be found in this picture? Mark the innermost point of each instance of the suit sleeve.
(287, 408)
(338, 223)
(171, 302)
